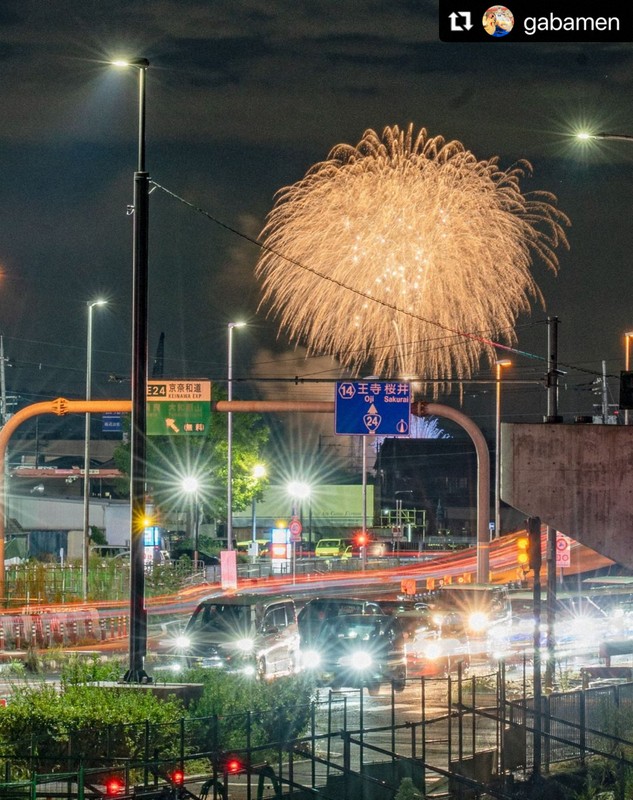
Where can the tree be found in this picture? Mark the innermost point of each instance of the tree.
(170, 459)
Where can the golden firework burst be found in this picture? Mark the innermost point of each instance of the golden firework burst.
(395, 254)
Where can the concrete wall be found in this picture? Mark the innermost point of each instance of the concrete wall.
(49, 513)
(576, 478)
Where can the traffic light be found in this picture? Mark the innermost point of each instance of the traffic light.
(233, 765)
(177, 777)
(362, 539)
(534, 533)
(114, 786)
(523, 555)
(626, 391)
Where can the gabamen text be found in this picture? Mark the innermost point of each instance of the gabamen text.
(554, 23)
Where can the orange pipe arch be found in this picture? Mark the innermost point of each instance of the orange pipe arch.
(61, 406)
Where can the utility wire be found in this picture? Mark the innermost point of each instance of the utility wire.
(390, 306)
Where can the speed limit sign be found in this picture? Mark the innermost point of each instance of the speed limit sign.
(563, 551)
(295, 529)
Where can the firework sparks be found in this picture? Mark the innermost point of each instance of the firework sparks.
(382, 249)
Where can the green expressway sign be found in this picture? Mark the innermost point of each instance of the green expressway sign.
(178, 407)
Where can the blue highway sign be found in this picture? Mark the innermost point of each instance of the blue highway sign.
(373, 407)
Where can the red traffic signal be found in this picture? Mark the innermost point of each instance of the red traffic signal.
(177, 777)
(114, 786)
(233, 765)
(361, 539)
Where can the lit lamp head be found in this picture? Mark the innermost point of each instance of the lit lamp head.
(298, 490)
(190, 484)
(259, 471)
(139, 63)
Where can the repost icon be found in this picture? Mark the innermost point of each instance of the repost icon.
(538, 21)
(460, 21)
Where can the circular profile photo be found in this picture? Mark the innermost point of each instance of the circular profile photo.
(498, 21)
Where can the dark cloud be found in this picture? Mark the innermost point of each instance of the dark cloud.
(243, 97)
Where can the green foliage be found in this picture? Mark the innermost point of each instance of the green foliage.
(80, 670)
(171, 458)
(16, 668)
(280, 710)
(165, 578)
(97, 535)
(46, 730)
(408, 791)
(599, 780)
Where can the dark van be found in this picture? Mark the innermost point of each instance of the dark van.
(248, 634)
(352, 642)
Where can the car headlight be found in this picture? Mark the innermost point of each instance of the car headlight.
(438, 618)
(310, 659)
(433, 650)
(478, 621)
(245, 645)
(183, 642)
(361, 660)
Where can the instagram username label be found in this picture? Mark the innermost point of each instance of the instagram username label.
(611, 21)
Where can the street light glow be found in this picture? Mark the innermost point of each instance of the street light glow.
(140, 63)
(259, 471)
(616, 137)
(190, 484)
(298, 490)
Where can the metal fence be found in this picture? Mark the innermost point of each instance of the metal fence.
(572, 726)
(459, 735)
(343, 744)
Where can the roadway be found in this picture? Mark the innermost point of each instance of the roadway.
(103, 625)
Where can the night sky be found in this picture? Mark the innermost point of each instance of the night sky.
(243, 97)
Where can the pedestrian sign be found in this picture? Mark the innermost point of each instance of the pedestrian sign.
(563, 550)
(373, 407)
(178, 407)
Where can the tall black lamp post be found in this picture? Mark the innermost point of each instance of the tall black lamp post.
(138, 613)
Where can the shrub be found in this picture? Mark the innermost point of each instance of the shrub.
(408, 791)
(279, 710)
(46, 730)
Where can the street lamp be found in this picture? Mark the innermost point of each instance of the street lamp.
(614, 137)
(85, 553)
(617, 137)
(500, 364)
(258, 472)
(298, 490)
(229, 439)
(627, 365)
(191, 485)
(140, 268)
